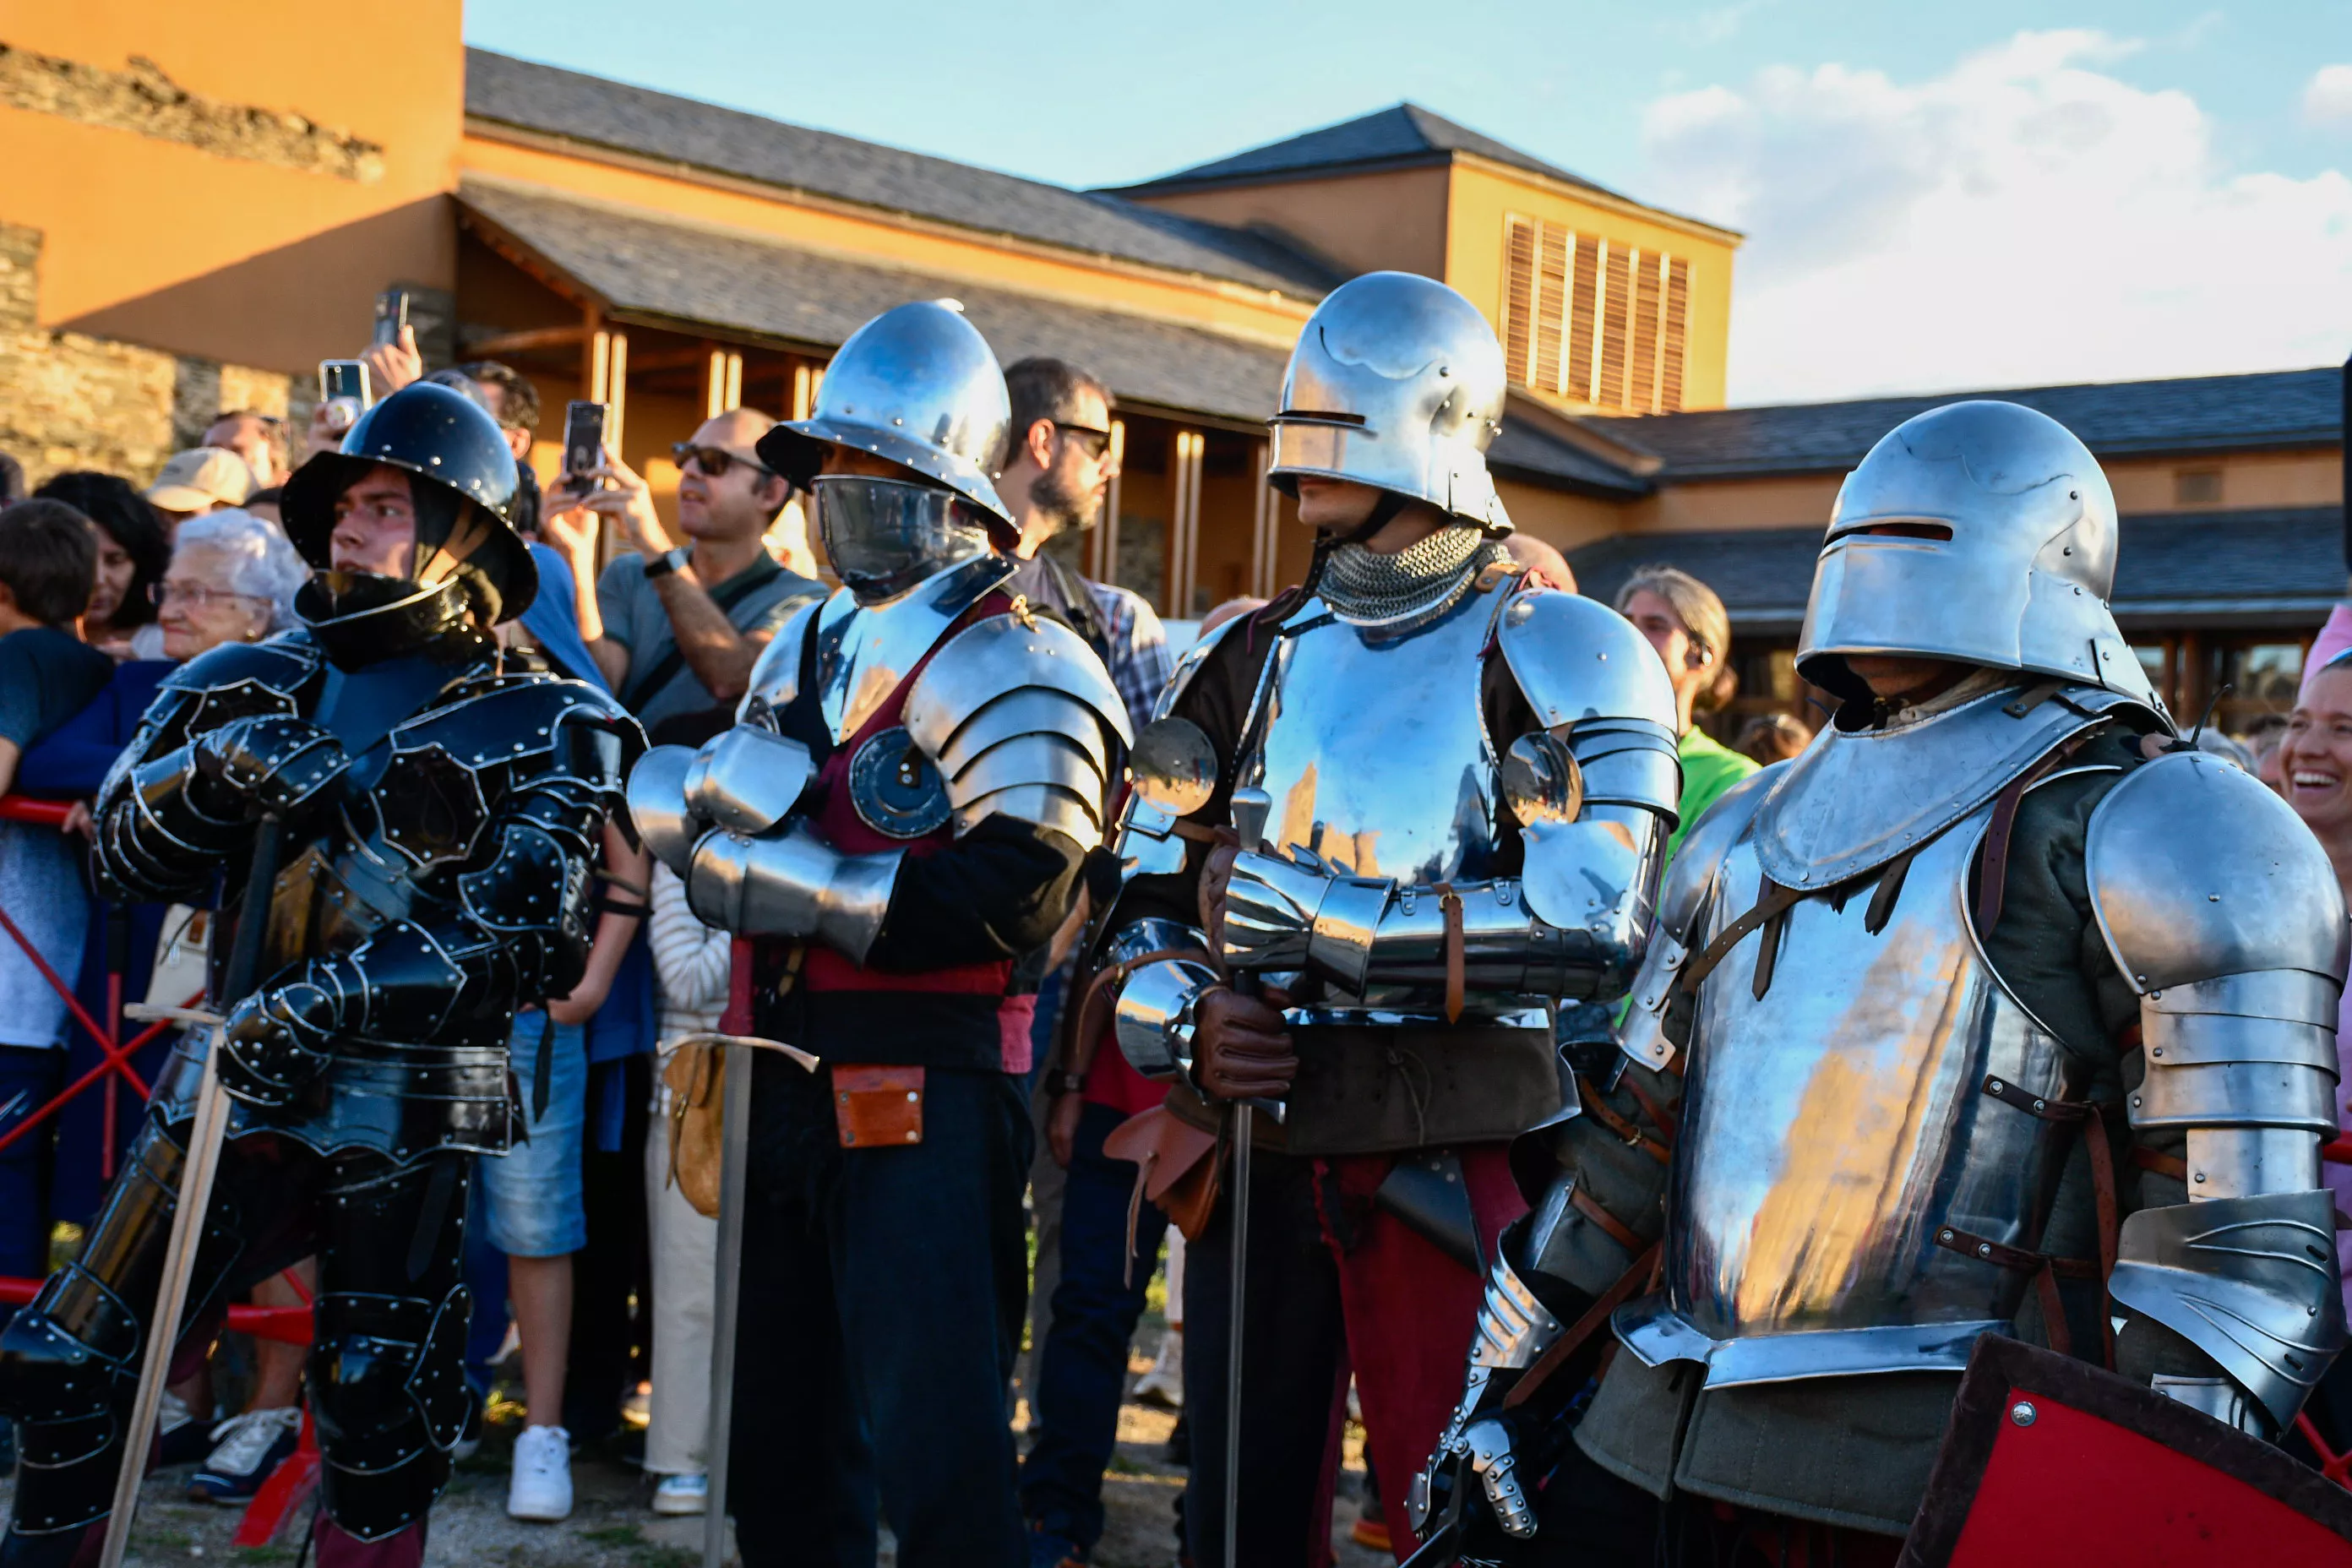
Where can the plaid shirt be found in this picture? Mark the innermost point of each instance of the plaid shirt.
(1139, 661)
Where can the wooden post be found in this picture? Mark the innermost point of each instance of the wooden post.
(1262, 541)
(1102, 549)
(1185, 545)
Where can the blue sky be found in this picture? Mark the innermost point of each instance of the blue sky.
(1958, 194)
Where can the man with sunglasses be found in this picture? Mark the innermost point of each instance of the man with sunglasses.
(1058, 468)
(677, 625)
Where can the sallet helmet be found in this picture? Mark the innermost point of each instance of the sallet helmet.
(1397, 383)
(919, 387)
(436, 433)
(1982, 533)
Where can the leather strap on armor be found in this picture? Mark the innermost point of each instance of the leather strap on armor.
(1596, 1316)
(1992, 866)
(2086, 1114)
(1627, 1132)
(1449, 904)
(1772, 901)
(1614, 1229)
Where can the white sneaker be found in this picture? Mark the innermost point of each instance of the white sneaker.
(541, 1489)
(682, 1494)
(1164, 1385)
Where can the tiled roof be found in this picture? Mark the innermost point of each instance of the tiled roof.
(1525, 451)
(659, 125)
(1403, 133)
(650, 266)
(2282, 565)
(2193, 414)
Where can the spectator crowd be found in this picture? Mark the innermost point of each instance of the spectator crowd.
(590, 1260)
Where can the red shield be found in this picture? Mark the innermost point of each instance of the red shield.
(2050, 1459)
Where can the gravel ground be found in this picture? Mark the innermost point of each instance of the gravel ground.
(613, 1527)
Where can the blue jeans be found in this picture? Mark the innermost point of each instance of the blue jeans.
(1082, 1370)
(531, 1196)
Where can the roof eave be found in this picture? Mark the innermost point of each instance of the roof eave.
(1179, 184)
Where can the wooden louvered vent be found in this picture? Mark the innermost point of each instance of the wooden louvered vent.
(1594, 320)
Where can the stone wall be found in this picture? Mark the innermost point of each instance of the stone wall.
(71, 400)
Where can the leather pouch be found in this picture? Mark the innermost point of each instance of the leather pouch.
(1175, 1168)
(696, 1077)
(877, 1108)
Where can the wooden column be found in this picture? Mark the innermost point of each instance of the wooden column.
(1102, 545)
(1185, 552)
(723, 382)
(1262, 527)
(806, 379)
(606, 376)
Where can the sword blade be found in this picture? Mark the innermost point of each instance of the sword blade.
(201, 1164)
(197, 1173)
(735, 1138)
(1245, 1118)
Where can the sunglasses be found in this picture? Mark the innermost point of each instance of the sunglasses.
(1095, 442)
(714, 461)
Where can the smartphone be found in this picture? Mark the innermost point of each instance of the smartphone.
(343, 389)
(583, 444)
(391, 316)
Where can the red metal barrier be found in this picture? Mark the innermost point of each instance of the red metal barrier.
(290, 1485)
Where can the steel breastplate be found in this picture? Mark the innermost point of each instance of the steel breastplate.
(1374, 750)
(1834, 1126)
(865, 652)
(1856, 799)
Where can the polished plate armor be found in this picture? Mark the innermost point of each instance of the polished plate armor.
(1397, 383)
(1983, 532)
(1005, 714)
(2234, 936)
(1383, 784)
(918, 386)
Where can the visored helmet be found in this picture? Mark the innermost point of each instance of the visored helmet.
(919, 386)
(1397, 383)
(1982, 533)
(439, 435)
(883, 536)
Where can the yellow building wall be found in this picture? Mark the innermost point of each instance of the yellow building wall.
(1483, 195)
(230, 257)
(2248, 480)
(740, 205)
(1560, 520)
(1395, 220)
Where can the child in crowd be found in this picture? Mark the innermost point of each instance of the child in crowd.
(48, 565)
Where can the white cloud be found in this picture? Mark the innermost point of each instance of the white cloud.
(2327, 101)
(2023, 219)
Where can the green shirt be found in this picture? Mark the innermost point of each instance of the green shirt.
(1709, 768)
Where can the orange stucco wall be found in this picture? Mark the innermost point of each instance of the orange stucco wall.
(1485, 194)
(1366, 223)
(2249, 479)
(186, 250)
(492, 151)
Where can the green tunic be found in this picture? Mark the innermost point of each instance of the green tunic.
(1709, 768)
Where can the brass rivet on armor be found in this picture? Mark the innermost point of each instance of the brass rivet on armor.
(2021, 1413)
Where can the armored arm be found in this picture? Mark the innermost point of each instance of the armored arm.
(2226, 918)
(1018, 727)
(519, 932)
(1594, 790)
(1600, 1203)
(183, 793)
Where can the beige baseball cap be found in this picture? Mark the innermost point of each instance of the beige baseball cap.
(201, 479)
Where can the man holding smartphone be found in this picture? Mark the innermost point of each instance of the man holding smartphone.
(677, 621)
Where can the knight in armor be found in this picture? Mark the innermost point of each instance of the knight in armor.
(438, 814)
(898, 820)
(1997, 1012)
(1427, 798)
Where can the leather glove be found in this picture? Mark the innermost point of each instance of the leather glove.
(1240, 1049)
(277, 1042)
(269, 765)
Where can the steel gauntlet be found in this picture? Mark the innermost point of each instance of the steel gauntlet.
(271, 765)
(1163, 970)
(789, 882)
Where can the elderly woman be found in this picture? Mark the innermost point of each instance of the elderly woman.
(1688, 625)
